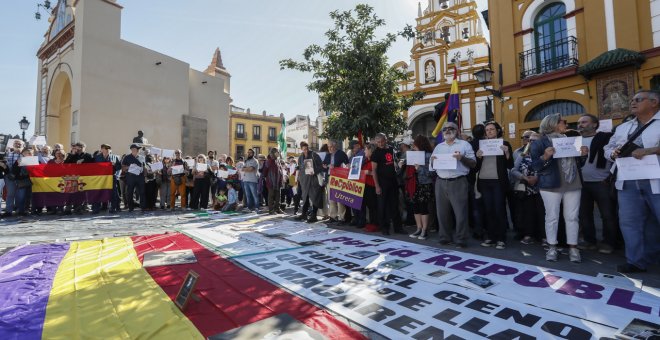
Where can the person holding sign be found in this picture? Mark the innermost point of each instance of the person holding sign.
(493, 163)
(106, 155)
(420, 188)
(134, 180)
(451, 186)
(559, 181)
(13, 158)
(202, 174)
(594, 189)
(334, 158)
(177, 180)
(310, 168)
(23, 183)
(639, 200)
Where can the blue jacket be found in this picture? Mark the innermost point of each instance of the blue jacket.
(548, 171)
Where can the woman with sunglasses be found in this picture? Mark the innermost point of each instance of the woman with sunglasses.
(559, 182)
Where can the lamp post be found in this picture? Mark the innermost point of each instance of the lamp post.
(24, 124)
(485, 76)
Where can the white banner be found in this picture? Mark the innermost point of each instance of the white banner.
(235, 242)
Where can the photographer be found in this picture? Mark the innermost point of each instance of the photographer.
(639, 200)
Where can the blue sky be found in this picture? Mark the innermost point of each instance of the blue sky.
(252, 35)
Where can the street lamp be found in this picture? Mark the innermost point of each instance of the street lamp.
(24, 123)
(485, 76)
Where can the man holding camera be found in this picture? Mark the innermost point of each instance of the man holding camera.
(639, 200)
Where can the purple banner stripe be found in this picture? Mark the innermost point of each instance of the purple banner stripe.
(26, 278)
(52, 199)
(346, 199)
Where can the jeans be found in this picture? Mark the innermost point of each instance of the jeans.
(639, 213)
(571, 204)
(21, 196)
(164, 194)
(251, 195)
(135, 182)
(114, 200)
(598, 192)
(11, 195)
(495, 208)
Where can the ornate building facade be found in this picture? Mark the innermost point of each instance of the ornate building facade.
(95, 87)
(571, 57)
(450, 35)
(253, 131)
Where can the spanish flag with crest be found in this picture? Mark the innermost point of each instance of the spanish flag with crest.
(62, 184)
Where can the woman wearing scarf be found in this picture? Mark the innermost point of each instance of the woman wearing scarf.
(559, 181)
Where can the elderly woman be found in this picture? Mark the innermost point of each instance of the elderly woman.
(310, 178)
(493, 184)
(558, 181)
(529, 212)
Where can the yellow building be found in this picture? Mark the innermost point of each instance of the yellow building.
(252, 131)
(450, 35)
(571, 56)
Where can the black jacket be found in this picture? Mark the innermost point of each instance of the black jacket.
(503, 166)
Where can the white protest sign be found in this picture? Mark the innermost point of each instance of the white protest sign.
(177, 169)
(232, 172)
(491, 147)
(415, 157)
(444, 161)
(156, 166)
(567, 147)
(201, 167)
(168, 153)
(631, 168)
(28, 160)
(222, 173)
(190, 162)
(155, 151)
(38, 140)
(604, 125)
(135, 169)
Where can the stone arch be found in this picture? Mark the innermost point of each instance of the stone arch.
(423, 123)
(59, 109)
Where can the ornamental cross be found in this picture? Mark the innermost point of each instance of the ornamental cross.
(445, 34)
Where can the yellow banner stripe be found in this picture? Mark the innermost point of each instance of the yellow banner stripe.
(101, 291)
(82, 183)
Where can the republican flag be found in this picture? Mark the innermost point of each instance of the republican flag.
(62, 184)
(452, 111)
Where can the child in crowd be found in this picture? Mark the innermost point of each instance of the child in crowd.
(220, 201)
(232, 198)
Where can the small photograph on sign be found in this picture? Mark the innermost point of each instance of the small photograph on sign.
(396, 264)
(438, 276)
(361, 255)
(166, 258)
(310, 243)
(640, 329)
(481, 282)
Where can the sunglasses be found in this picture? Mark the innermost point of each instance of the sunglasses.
(525, 137)
(639, 99)
(449, 129)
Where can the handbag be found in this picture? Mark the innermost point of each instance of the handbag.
(321, 179)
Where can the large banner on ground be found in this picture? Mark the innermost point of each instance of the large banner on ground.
(422, 292)
(345, 191)
(233, 241)
(62, 184)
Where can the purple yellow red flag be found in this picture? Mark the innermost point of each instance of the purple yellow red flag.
(452, 111)
(62, 184)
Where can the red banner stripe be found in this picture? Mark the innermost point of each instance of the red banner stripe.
(59, 170)
(230, 296)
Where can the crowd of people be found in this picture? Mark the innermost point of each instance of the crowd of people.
(461, 191)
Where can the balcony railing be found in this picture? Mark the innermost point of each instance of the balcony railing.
(272, 138)
(549, 57)
(240, 135)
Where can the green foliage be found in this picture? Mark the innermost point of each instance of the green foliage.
(352, 75)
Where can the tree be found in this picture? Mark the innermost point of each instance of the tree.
(353, 77)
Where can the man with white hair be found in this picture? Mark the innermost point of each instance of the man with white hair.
(10, 182)
(451, 186)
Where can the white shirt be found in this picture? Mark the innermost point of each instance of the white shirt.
(461, 146)
(650, 138)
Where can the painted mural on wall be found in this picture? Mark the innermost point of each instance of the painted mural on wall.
(614, 93)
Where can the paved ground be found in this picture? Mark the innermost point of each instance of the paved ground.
(38, 229)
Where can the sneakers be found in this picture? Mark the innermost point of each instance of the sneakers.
(500, 245)
(527, 240)
(551, 254)
(416, 233)
(422, 236)
(574, 255)
(487, 243)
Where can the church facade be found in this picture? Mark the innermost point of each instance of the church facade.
(97, 88)
(450, 35)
